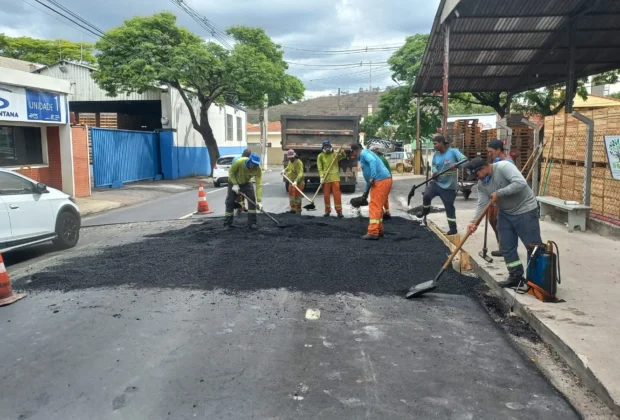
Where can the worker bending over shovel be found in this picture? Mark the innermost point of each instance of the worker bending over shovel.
(445, 157)
(330, 177)
(295, 172)
(240, 176)
(378, 150)
(378, 182)
(503, 184)
(496, 154)
(240, 200)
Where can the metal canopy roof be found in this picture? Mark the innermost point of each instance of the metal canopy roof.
(517, 45)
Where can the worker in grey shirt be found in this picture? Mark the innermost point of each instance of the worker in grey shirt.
(518, 210)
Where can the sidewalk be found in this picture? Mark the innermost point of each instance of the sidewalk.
(106, 199)
(583, 330)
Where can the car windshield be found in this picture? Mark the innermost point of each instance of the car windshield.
(225, 161)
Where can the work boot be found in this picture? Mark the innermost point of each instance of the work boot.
(512, 282)
(387, 216)
(340, 215)
(292, 211)
(228, 221)
(369, 237)
(326, 215)
(452, 232)
(497, 253)
(253, 226)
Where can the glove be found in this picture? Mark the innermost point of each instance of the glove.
(294, 183)
(322, 180)
(235, 189)
(282, 172)
(259, 206)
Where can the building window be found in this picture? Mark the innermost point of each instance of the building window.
(229, 127)
(20, 146)
(239, 129)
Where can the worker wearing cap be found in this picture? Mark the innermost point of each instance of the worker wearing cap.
(378, 182)
(445, 157)
(240, 176)
(330, 178)
(378, 150)
(295, 172)
(497, 153)
(240, 199)
(518, 210)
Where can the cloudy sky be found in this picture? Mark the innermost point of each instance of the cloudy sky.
(321, 38)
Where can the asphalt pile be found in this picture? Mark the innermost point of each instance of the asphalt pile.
(308, 254)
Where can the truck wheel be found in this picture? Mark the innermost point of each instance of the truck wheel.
(348, 189)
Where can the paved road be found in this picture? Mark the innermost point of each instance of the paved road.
(268, 354)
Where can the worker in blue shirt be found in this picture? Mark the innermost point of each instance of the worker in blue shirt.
(444, 186)
(378, 183)
(246, 153)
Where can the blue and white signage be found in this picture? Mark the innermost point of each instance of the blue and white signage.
(25, 105)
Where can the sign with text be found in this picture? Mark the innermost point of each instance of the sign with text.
(25, 105)
(612, 145)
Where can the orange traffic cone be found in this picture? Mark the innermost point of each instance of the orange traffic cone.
(6, 293)
(203, 205)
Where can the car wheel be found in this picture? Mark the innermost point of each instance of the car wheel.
(68, 230)
(216, 184)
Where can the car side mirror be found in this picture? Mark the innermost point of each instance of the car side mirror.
(41, 188)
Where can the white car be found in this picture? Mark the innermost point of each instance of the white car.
(32, 213)
(220, 171)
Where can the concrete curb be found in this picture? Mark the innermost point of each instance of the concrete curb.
(568, 355)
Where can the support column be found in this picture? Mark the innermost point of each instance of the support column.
(446, 71)
(418, 154)
(536, 156)
(587, 179)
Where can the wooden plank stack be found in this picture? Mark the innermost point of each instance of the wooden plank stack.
(564, 156)
(522, 143)
(468, 131)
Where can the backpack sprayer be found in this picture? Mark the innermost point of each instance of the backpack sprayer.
(542, 272)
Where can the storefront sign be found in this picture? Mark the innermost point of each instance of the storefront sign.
(24, 105)
(612, 145)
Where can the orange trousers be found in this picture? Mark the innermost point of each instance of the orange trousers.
(294, 197)
(332, 188)
(379, 193)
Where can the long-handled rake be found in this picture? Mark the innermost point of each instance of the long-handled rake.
(291, 183)
(262, 211)
(430, 285)
(311, 206)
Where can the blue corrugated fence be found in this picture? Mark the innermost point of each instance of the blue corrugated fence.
(121, 156)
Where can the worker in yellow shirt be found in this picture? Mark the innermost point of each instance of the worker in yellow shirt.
(240, 176)
(295, 173)
(330, 178)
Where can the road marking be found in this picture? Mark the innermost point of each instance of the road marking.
(219, 189)
(186, 216)
(313, 314)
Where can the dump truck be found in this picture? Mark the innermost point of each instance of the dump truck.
(305, 134)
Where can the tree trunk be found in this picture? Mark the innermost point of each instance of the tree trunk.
(207, 135)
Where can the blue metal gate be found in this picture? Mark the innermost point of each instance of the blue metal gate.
(121, 156)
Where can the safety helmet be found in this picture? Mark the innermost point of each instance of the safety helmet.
(326, 143)
(254, 159)
(291, 154)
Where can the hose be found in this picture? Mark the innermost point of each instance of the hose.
(557, 261)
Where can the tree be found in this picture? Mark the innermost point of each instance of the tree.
(152, 51)
(45, 51)
(615, 95)
(370, 126)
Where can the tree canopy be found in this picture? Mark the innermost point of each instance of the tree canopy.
(152, 51)
(45, 51)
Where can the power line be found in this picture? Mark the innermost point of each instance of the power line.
(69, 19)
(339, 52)
(205, 23)
(78, 17)
(55, 17)
(345, 75)
(343, 65)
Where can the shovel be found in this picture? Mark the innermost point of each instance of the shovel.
(360, 201)
(291, 183)
(438, 174)
(430, 285)
(311, 206)
(261, 210)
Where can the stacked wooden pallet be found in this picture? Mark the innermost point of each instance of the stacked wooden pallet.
(485, 137)
(469, 132)
(522, 143)
(564, 156)
(108, 120)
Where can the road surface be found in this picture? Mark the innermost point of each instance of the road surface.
(185, 351)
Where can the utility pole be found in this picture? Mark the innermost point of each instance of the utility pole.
(339, 100)
(370, 79)
(264, 124)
